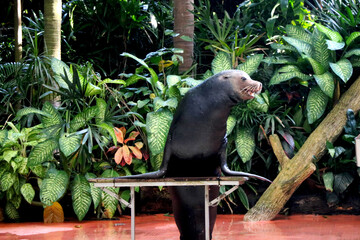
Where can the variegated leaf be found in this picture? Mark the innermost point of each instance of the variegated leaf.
(157, 128)
(7, 180)
(245, 143)
(252, 64)
(343, 69)
(352, 37)
(109, 203)
(95, 191)
(332, 45)
(69, 143)
(11, 211)
(221, 62)
(28, 192)
(81, 196)
(279, 78)
(54, 119)
(352, 52)
(301, 46)
(326, 83)
(54, 186)
(316, 104)
(42, 152)
(230, 124)
(298, 32)
(321, 51)
(332, 35)
(317, 67)
(156, 161)
(207, 74)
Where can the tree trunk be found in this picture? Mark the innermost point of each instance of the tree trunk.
(184, 25)
(17, 30)
(296, 170)
(52, 34)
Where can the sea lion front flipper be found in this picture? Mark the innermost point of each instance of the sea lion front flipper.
(226, 170)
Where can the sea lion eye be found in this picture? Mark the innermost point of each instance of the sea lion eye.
(226, 76)
(243, 78)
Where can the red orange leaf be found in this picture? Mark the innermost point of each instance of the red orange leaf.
(112, 149)
(119, 135)
(54, 213)
(123, 130)
(118, 155)
(137, 153)
(139, 145)
(127, 155)
(132, 136)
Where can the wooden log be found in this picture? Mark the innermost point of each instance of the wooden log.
(294, 171)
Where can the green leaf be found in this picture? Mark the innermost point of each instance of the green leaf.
(352, 37)
(316, 104)
(116, 81)
(81, 196)
(260, 103)
(352, 52)
(110, 130)
(301, 46)
(207, 74)
(9, 154)
(278, 46)
(42, 152)
(11, 211)
(172, 80)
(321, 51)
(110, 203)
(95, 191)
(53, 118)
(317, 67)
(332, 35)
(343, 69)
(245, 143)
(92, 90)
(157, 128)
(81, 119)
(30, 110)
(221, 62)
(58, 67)
(38, 170)
(326, 83)
(328, 181)
(7, 180)
(69, 143)
(252, 64)
(53, 186)
(342, 181)
(230, 124)
(101, 106)
(156, 161)
(243, 198)
(282, 77)
(332, 45)
(28, 192)
(299, 33)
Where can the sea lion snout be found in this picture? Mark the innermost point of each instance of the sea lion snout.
(244, 86)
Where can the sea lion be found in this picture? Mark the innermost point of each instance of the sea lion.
(196, 145)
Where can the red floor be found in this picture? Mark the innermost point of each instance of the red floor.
(160, 227)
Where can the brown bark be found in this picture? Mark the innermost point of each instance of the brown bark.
(296, 170)
(184, 25)
(17, 30)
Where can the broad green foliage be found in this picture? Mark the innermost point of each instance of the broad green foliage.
(221, 62)
(53, 186)
(319, 49)
(42, 152)
(316, 104)
(28, 192)
(158, 124)
(251, 64)
(245, 143)
(69, 143)
(94, 191)
(81, 196)
(109, 203)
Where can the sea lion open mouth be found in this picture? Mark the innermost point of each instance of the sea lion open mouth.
(252, 90)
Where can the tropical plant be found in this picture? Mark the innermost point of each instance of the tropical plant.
(15, 174)
(340, 171)
(314, 56)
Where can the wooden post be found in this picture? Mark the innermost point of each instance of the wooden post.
(296, 170)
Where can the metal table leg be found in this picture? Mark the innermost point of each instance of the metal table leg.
(132, 197)
(207, 215)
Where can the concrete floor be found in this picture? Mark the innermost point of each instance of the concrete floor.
(161, 227)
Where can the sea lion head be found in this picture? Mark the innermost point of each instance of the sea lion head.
(241, 84)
